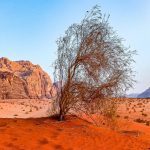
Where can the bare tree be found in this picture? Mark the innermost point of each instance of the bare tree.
(92, 63)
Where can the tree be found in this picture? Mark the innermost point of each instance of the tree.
(92, 63)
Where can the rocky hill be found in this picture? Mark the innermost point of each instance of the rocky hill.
(132, 95)
(145, 94)
(22, 79)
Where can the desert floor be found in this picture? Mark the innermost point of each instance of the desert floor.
(24, 108)
(137, 110)
(28, 131)
(73, 134)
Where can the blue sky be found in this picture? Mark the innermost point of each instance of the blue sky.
(29, 29)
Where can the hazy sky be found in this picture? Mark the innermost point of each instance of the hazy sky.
(29, 29)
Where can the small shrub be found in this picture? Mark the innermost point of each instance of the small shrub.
(43, 141)
(30, 110)
(126, 117)
(145, 115)
(140, 120)
(148, 123)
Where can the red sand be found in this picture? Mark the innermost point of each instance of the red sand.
(73, 134)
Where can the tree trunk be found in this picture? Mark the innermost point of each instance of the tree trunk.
(61, 115)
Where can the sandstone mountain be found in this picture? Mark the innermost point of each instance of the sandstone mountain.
(22, 79)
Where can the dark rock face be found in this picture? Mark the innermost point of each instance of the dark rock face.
(22, 79)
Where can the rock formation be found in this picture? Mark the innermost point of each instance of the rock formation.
(22, 79)
(56, 87)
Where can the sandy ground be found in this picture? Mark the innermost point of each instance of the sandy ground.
(24, 108)
(135, 109)
(72, 134)
(33, 132)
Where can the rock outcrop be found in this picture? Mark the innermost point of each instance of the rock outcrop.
(56, 87)
(22, 79)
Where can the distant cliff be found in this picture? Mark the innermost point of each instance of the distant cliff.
(145, 94)
(22, 79)
(133, 95)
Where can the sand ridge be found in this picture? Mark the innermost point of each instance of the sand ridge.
(72, 134)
